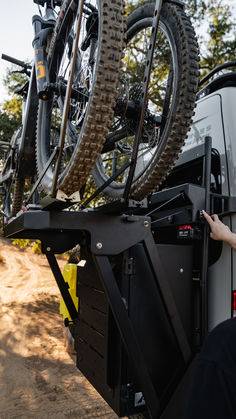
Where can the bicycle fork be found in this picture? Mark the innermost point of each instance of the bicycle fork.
(42, 30)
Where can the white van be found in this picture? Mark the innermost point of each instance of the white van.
(216, 117)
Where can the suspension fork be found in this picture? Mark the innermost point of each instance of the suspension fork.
(42, 30)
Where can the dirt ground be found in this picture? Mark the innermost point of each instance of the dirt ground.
(38, 378)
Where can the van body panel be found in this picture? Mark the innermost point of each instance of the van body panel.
(215, 116)
(229, 118)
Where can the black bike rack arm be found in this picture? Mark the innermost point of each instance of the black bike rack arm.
(127, 333)
(62, 285)
(205, 244)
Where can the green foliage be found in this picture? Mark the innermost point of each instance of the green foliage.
(196, 10)
(37, 247)
(215, 25)
(24, 243)
(89, 190)
(8, 125)
(221, 44)
(12, 108)
(14, 80)
(21, 243)
(10, 112)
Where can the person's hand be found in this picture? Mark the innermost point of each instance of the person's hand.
(220, 231)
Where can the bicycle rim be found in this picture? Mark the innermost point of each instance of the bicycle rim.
(161, 138)
(93, 93)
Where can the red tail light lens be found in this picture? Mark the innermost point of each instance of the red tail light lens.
(185, 227)
(234, 302)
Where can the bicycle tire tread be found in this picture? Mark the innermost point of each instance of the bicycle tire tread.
(149, 182)
(105, 93)
(102, 100)
(17, 196)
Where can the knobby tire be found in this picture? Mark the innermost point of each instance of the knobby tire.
(179, 117)
(89, 141)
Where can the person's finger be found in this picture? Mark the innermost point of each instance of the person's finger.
(215, 217)
(207, 217)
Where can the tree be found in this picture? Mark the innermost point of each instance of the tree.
(214, 23)
(10, 111)
(221, 42)
(8, 125)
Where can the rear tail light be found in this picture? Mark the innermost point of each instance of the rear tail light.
(185, 227)
(189, 232)
(185, 231)
(234, 303)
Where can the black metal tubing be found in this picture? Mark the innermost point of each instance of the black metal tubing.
(127, 334)
(62, 285)
(26, 67)
(152, 42)
(105, 184)
(205, 244)
(216, 69)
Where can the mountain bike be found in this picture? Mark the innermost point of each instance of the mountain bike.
(86, 110)
(68, 101)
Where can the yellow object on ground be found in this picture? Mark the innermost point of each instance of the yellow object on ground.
(70, 276)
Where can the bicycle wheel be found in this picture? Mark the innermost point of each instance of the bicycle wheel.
(171, 100)
(93, 94)
(12, 185)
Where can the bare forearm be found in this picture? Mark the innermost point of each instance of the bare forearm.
(231, 240)
(220, 231)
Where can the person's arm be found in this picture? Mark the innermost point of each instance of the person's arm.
(220, 231)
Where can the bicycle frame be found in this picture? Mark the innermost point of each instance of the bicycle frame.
(40, 88)
(26, 152)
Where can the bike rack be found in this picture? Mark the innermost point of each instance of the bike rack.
(119, 235)
(60, 231)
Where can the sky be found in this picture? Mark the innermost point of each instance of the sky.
(16, 33)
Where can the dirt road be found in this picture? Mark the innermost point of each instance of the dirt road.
(38, 379)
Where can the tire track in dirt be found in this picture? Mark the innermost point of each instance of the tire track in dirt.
(38, 378)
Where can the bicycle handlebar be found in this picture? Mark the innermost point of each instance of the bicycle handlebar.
(15, 61)
(42, 2)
